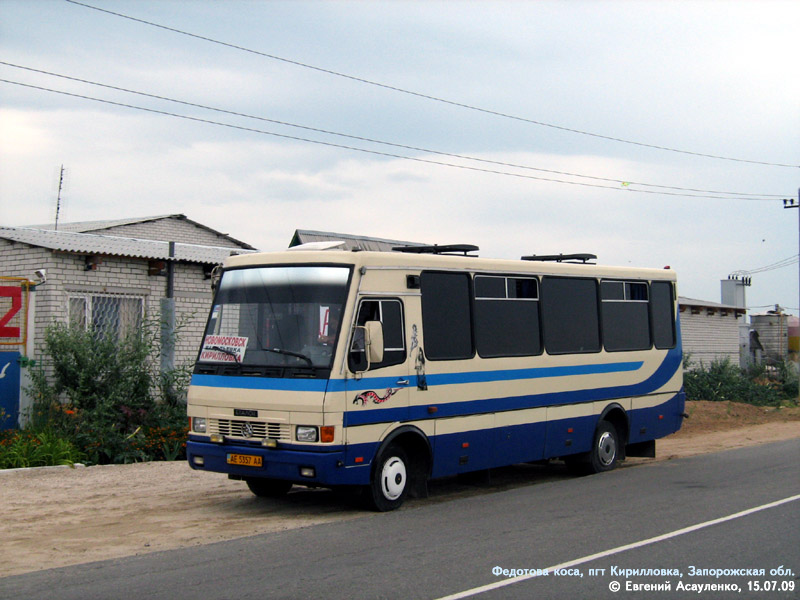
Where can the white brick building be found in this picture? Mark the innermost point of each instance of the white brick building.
(710, 331)
(114, 273)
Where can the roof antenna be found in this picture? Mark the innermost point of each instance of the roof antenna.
(58, 200)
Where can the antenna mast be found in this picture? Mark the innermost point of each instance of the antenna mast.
(58, 201)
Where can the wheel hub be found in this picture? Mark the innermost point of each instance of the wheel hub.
(393, 478)
(606, 449)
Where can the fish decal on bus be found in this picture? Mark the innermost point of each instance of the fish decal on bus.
(365, 397)
(419, 366)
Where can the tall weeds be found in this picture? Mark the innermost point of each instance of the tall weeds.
(758, 385)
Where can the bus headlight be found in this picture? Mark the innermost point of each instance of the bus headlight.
(306, 433)
(198, 424)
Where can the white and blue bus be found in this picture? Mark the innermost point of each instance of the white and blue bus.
(386, 369)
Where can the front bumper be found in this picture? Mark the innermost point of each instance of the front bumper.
(277, 463)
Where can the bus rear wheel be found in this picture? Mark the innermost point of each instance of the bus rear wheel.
(604, 454)
(268, 488)
(389, 485)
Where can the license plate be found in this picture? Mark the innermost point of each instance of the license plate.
(244, 460)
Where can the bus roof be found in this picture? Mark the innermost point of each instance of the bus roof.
(402, 260)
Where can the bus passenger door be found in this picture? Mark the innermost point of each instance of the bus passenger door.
(379, 394)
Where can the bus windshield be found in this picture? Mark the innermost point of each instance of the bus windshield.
(275, 317)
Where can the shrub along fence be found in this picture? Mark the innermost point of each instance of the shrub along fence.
(759, 384)
(100, 399)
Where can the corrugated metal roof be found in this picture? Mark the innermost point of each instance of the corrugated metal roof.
(304, 236)
(683, 301)
(87, 226)
(94, 226)
(89, 243)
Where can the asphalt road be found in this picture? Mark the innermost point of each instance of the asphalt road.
(433, 550)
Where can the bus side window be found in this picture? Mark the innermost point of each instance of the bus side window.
(662, 315)
(390, 314)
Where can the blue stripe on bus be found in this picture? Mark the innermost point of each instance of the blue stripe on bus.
(534, 373)
(368, 383)
(470, 407)
(487, 448)
(663, 373)
(261, 383)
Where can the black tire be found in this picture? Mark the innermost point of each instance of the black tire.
(604, 455)
(389, 486)
(269, 488)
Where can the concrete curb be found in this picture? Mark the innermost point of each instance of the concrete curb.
(22, 469)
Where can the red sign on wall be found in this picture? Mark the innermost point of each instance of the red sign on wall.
(13, 311)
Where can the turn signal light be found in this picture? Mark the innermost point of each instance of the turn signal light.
(326, 434)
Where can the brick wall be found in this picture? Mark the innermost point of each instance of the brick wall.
(709, 337)
(773, 333)
(21, 260)
(192, 304)
(66, 273)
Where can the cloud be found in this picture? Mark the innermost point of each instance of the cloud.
(712, 77)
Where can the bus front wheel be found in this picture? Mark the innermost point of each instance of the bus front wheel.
(389, 485)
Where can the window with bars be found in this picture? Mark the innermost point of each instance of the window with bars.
(108, 314)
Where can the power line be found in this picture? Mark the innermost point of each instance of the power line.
(626, 183)
(773, 306)
(426, 96)
(786, 262)
(365, 150)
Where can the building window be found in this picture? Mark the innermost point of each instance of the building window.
(107, 314)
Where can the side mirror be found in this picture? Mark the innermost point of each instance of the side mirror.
(374, 330)
(215, 275)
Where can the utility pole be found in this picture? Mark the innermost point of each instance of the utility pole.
(792, 203)
(168, 325)
(795, 203)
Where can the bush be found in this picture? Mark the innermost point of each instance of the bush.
(107, 396)
(756, 385)
(28, 449)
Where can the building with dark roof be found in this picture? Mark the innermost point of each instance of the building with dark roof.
(351, 242)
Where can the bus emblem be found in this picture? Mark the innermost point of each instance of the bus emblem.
(365, 397)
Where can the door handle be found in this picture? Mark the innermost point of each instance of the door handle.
(402, 382)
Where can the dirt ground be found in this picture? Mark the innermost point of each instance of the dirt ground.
(64, 516)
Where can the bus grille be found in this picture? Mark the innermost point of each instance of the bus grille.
(260, 430)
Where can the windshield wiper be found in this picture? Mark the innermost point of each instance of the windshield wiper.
(290, 353)
(229, 353)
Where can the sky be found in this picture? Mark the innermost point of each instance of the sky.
(651, 134)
